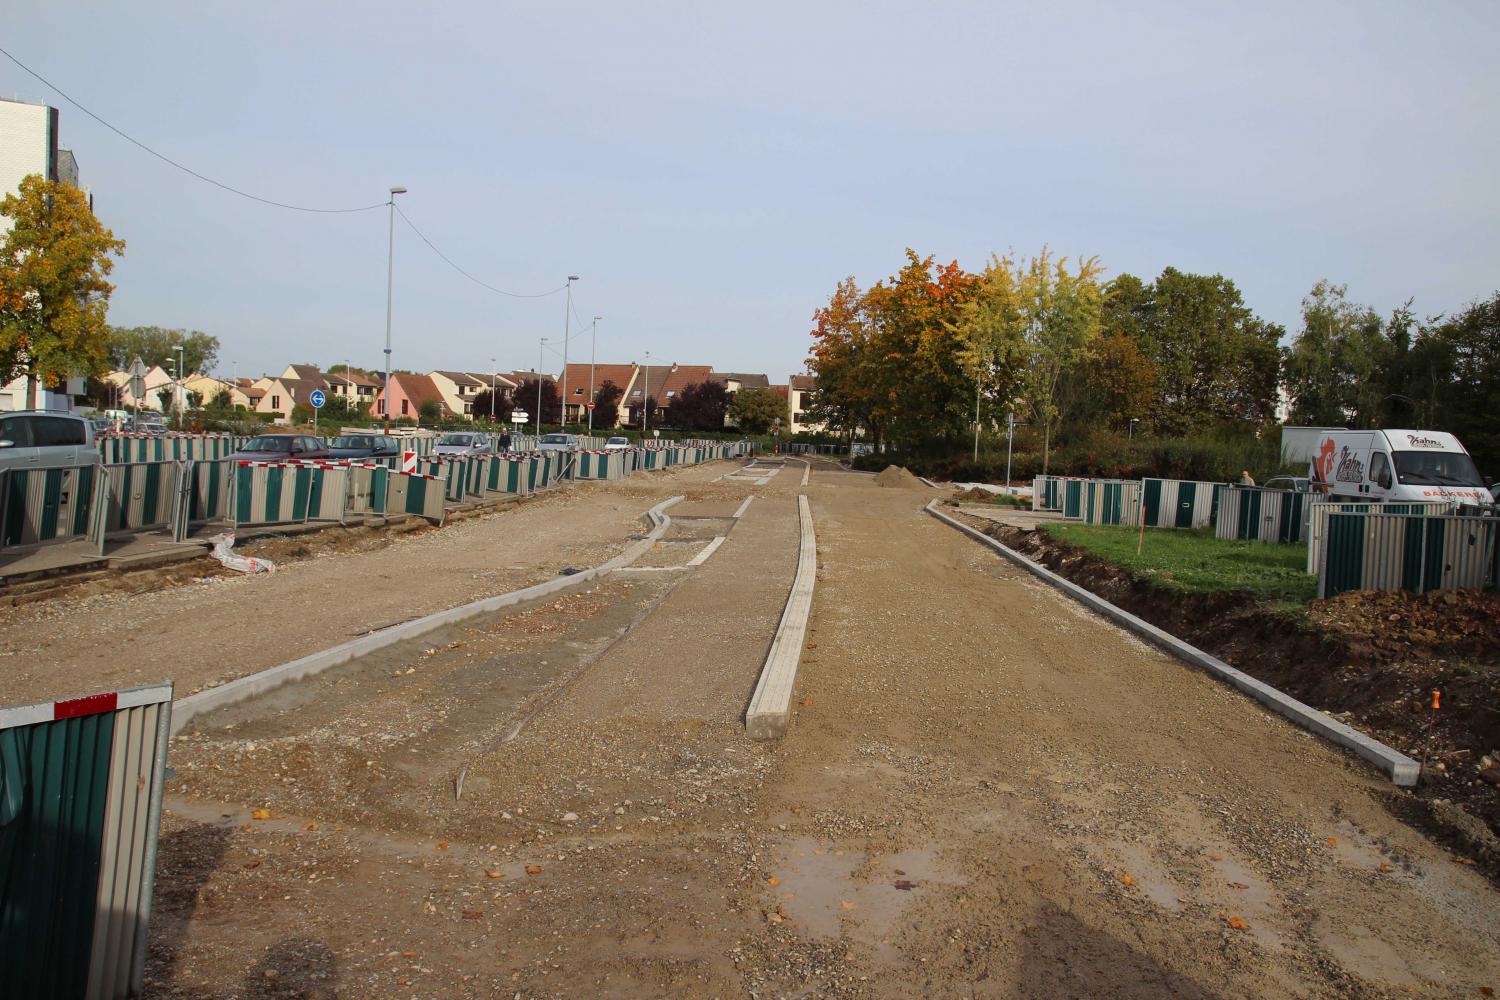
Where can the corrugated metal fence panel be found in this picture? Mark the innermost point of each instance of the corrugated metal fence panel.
(282, 494)
(80, 806)
(416, 494)
(43, 505)
(367, 489)
(1256, 515)
(1319, 510)
(1412, 552)
(1178, 503)
(1112, 501)
(141, 495)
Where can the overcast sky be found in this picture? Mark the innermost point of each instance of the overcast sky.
(710, 171)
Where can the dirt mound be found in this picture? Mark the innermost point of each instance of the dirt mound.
(973, 493)
(896, 477)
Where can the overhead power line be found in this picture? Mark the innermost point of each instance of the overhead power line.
(482, 284)
(185, 169)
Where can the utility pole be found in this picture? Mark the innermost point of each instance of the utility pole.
(494, 378)
(1010, 433)
(567, 319)
(390, 276)
(646, 400)
(593, 353)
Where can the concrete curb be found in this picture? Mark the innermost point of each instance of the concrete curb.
(189, 708)
(771, 705)
(1401, 769)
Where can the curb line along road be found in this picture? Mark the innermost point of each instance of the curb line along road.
(189, 708)
(1401, 769)
(771, 705)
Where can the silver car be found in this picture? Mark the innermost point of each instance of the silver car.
(34, 439)
(558, 442)
(462, 444)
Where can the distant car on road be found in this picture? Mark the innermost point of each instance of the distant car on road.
(558, 442)
(155, 426)
(347, 446)
(36, 439)
(1297, 484)
(101, 425)
(617, 444)
(462, 444)
(281, 448)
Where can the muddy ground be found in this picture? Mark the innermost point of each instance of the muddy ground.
(1372, 660)
(984, 791)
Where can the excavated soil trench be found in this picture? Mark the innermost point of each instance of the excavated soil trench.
(1348, 657)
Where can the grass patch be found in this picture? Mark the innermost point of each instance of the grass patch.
(1199, 563)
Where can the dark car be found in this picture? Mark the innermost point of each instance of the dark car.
(280, 448)
(348, 446)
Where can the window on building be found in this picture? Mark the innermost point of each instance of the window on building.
(578, 391)
(405, 407)
(468, 407)
(635, 394)
(275, 402)
(671, 393)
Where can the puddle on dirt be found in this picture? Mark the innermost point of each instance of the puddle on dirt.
(831, 891)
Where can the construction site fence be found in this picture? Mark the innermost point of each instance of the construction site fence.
(119, 449)
(1247, 513)
(1412, 552)
(1047, 492)
(79, 819)
(1318, 512)
(1110, 501)
(1179, 503)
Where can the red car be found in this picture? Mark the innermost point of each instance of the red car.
(280, 448)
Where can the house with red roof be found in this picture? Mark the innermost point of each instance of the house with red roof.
(407, 395)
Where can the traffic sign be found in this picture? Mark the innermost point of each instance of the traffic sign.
(519, 416)
(408, 462)
(137, 379)
(589, 404)
(317, 399)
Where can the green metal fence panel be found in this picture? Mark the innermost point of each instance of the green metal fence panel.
(1412, 552)
(1072, 498)
(1178, 503)
(417, 494)
(80, 805)
(1318, 512)
(141, 495)
(45, 505)
(1257, 515)
(284, 493)
(1111, 501)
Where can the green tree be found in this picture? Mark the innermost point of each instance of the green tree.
(1467, 346)
(53, 289)
(429, 412)
(756, 410)
(526, 396)
(1063, 311)
(845, 361)
(699, 407)
(503, 406)
(155, 344)
(991, 332)
(607, 405)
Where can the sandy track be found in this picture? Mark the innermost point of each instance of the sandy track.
(203, 634)
(984, 791)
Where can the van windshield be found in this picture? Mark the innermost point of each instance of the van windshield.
(1436, 468)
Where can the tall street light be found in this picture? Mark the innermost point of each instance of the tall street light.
(593, 351)
(494, 377)
(390, 274)
(567, 316)
(539, 362)
(646, 401)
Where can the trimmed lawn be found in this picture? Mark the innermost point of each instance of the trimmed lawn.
(1197, 562)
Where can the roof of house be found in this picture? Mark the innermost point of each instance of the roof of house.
(308, 373)
(353, 378)
(664, 382)
(578, 378)
(780, 390)
(745, 379)
(487, 379)
(301, 388)
(419, 389)
(804, 383)
(251, 392)
(519, 376)
(460, 378)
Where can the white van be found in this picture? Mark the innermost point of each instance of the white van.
(1395, 466)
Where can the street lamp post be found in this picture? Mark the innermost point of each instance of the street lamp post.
(390, 274)
(646, 400)
(567, 318)
(494, 378)
(539, 362)
(593, 353)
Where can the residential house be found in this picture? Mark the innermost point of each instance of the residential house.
(208, 389)
(801, 389)
(460, 389)
(733, 382)
(156, 379)
(407, 394)
(661, 384)
(13, 395)
(353, 386)
(583, 386)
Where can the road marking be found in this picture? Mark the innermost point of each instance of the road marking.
(708, 550)
(743, 507)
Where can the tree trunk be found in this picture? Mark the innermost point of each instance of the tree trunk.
(30, 390)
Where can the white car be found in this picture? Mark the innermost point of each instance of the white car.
(558, 442)
(462, 444)
(617, 444)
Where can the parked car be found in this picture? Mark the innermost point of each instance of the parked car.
(1297, 484)
(101, 425)
(154, 426)
(462, 444)
(558, 442)
(363, 446)
(617, 444)
(34, 439)
(280, 448)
